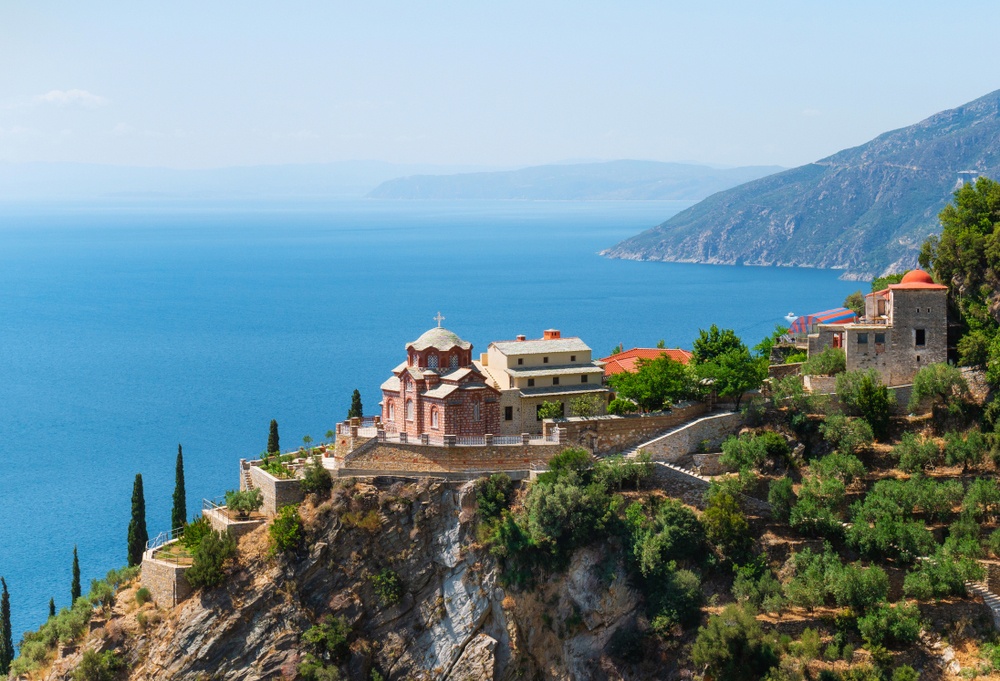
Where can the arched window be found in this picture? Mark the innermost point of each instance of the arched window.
(409, 410)
(453, 363)
(390, 412)
(432, 361)
(475, 412)
(434, 418)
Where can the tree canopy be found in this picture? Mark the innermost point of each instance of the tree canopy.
(657, 382)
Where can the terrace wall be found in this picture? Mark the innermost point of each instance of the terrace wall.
(393, 457)
(166, 581)
(277, 492)
(604, 435)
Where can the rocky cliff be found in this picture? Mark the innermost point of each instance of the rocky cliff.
(866, 210)
(454, 620)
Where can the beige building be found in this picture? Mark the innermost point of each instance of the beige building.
(905, 327)
(530, 372)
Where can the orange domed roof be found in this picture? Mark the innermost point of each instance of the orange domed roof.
(917, 277)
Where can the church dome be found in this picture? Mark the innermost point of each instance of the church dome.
(917, 277)
(439, 339)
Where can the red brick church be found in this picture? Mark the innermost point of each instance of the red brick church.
(439, 391)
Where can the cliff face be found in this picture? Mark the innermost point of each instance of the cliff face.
(454, 620)
(866, 210)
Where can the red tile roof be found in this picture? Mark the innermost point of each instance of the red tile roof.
(628, 360)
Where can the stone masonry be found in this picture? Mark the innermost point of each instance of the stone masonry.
(605, 435)
(166, 581)
(707, 432)
(277, 492)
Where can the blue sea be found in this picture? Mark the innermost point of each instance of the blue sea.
(129, 327)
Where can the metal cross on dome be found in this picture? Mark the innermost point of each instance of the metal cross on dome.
(440, 318)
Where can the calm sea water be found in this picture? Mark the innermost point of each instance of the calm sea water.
(126, 329)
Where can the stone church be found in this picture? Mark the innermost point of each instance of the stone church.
(439, 391)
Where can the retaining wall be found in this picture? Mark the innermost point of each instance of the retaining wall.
(781, 370)
(396, 457)
(277, 492)
(221, 522)
(166, 581)
(689, 438)
(605, 435)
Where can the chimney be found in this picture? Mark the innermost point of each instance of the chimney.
(522, 337)
(550, 334)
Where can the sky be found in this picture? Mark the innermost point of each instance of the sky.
(491, 84)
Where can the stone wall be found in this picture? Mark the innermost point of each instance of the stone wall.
(165, 581)
(277, 493)
(220, 522)
(688, 438)
(820, 385)
(777, 371)
(396, 457)
(605, 435)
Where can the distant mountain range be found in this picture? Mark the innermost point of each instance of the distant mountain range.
(611, 180)
(865, 210)
(343, 179)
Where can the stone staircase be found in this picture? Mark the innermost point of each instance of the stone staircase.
(991, 600)
(247, 478)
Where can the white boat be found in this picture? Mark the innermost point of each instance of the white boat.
(791, 316)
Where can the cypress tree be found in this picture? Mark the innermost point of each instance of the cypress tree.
(52, 607)
(178, 517)
(6, 639)
(272, 439)
(137, 536)
(356, 409)
(74, 588)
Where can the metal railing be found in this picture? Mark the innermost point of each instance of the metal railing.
(163, 538)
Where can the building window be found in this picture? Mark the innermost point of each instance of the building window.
(555, 380)
(475, 412)
(879, 338)
(390, 412)
(572, 358)
(920, 338)
(432, 361)
(453, 363)
(545, 360)
(409, 410)
(918, 310)
(520, 361)
(434, 418)
(583, 379)
(862, 339)
(531, 382)
(508, 413)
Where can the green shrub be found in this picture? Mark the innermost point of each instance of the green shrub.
(905, 673)
(732, 646)
(564, 514)
(328, 639)
(613, 472)
(673, 533)
(845, 467)
(848, 435)
(831, 653)
(587, 405)
(944, 385)
(982, 499)
(96, 666)
(781, 497)
(915, 453)
(388, 587)
(756, 585)
(829, 362)
(858, 587)
(244, 502)
(620, 406)
(727, 527)
(888, 625)
(940, 576)
(752, 450)
(797, 357)
(817, 510)
(316, 479)
(967, 449)
(808, 645)
(287, 533)
(194, 532)
(993, 543)
(675, 601)
(142, 596)
(493, 495)
(550, 410)
(209, 560)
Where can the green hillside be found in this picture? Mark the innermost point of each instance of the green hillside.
(865, 210)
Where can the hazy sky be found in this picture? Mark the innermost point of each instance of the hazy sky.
(202, 84)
